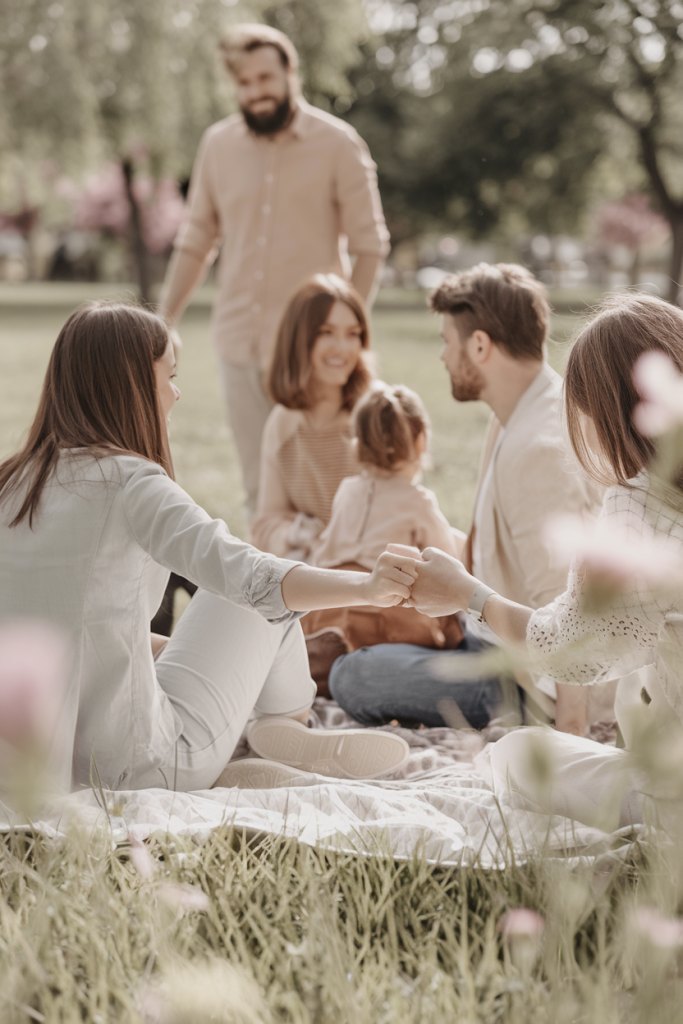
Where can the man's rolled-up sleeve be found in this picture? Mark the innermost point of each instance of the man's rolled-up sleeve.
(199, 232)
(360, 206)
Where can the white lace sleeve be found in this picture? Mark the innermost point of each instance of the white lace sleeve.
(578, 644)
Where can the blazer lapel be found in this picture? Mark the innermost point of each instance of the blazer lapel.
(492, 432)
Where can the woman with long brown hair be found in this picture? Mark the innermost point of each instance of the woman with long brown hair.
(601, 627)
(319, 371)
(91, 524)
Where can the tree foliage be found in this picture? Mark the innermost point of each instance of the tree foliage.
(507, 105)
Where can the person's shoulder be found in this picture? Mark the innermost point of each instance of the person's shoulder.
(225, 130)
(538, 421)
(124, 467)
(320, 122)
(281, 424)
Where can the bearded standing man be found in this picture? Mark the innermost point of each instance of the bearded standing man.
(287, 191)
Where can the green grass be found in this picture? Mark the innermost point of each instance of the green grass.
(294, 934)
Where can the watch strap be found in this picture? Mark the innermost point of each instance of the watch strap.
(480, 596)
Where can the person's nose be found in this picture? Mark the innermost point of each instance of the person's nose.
(442, 353)
(176, 391)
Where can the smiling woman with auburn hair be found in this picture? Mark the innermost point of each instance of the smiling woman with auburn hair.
(91, 524)
(318, 372)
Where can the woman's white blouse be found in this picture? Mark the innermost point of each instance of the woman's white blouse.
(96, 563)
(578, 645)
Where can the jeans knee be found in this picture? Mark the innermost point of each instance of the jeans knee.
(348, 686)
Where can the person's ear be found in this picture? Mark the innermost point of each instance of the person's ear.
(480, 347)
(420, 444)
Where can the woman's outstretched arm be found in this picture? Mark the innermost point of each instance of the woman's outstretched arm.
(307, 589)
(444, 586)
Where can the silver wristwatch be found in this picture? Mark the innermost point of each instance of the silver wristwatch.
(479, 597)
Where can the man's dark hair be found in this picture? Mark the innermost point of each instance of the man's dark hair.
(504, 300)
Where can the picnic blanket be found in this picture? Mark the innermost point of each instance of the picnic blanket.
(437, 805)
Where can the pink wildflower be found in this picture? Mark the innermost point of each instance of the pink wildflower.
(521, 923)
(664, 932)
(184, 897)
(660, 385)
(34, 661)
(140, 858)
(611, 552)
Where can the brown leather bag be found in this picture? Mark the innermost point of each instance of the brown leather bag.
(366, 626)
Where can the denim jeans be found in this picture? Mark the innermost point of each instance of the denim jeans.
(401, 681)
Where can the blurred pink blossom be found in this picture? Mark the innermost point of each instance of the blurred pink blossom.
(611, 551)
(630, 222)
(521, 923)
(103, 205)
(660, 385)
(140, 858)
(665, 932)
(34, 663)
(184, 897)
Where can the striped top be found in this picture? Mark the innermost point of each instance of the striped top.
(302, 466)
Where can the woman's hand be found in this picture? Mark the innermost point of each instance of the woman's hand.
(390, 581)
(443, 584)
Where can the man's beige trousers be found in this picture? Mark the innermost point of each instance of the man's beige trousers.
(248, 410)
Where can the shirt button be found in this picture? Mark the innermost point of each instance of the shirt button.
(269, 178)
(256, 308)
(261, 241)
(259, 275)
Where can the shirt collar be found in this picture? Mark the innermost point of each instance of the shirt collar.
(543, 380)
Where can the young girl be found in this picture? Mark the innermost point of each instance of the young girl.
(383, 505)
(319, 371)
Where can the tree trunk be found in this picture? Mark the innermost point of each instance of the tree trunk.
(138, 248)
(676, 262)
(634, 272)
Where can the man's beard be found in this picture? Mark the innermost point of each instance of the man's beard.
(468, 385)
(269, 124)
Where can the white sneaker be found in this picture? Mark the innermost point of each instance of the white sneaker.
(336, 753)
(256, 773)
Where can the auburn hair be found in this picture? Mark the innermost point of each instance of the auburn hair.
(387, 423)
(307, 311)
(99, 398)
(599, 381)
(503, 299)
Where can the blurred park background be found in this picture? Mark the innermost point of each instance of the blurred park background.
(548, 133)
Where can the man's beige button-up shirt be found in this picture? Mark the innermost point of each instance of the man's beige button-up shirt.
(281, 209)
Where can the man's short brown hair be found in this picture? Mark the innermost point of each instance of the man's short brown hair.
(244, 39)
(504, 300)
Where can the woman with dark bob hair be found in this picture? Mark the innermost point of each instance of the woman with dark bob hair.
(93, 523)
(318, 373)
(596, 630)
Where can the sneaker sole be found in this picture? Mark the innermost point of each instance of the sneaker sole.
(256, 773)
(336, 753)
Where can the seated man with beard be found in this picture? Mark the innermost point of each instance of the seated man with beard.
(495, 327)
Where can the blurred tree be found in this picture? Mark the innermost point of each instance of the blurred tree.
(84, 82)
(519, 100)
